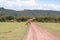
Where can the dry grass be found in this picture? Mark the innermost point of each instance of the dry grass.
(17, 31)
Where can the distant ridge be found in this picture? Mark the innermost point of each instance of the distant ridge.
(9, 12)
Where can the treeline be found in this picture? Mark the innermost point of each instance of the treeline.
(25, 18)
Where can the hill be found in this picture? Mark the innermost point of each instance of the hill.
(9, 12)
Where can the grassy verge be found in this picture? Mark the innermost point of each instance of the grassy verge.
(17, 31)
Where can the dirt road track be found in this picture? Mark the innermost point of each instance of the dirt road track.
(37, 33)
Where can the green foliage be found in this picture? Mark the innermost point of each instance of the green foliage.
(22, 18)
(48, 19)
(25, 18)
(7, 15)
(7, 18)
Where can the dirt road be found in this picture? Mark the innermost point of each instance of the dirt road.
(37, 33)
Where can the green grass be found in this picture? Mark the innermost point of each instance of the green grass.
(12, 31)
(17, 31)
(51, 27)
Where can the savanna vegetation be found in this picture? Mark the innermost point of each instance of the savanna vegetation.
(18, 31)
(55, 19)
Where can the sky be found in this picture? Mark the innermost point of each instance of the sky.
(31, 4)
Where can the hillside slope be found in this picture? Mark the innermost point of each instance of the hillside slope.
(29, 12)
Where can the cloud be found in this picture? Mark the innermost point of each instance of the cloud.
(28, 4)
(18, 4)
(50, 6)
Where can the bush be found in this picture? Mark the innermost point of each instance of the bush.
(25, 18)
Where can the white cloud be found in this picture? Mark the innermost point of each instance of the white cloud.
(18, 3)
(28, 4)
(50, 7)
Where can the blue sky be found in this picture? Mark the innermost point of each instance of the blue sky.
(49, 1)
(31, 4)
